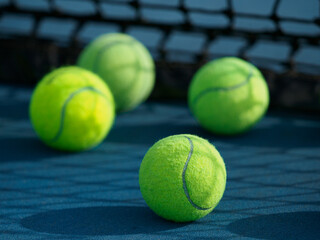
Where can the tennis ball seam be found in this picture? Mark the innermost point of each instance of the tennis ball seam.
(141, 69)
(184, 178)
(107, 46)
(63, 109)
(137, 64)
(215, 89)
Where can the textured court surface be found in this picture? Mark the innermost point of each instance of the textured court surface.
(273, 188)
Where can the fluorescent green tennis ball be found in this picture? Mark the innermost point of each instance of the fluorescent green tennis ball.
(182, 178)
(228, 96)
(124, 64)
(72, 109)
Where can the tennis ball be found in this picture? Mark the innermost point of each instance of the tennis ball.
(124, 64)
(182, 178)
(228, 96)
(72, 109)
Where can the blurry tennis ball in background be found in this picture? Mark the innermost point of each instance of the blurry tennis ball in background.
(72, 109)
(228, 96)
(124, 64)
(182, 178)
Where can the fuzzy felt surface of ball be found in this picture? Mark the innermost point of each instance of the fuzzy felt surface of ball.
(72, 109)
(228, 96)
(182, 177)
(124, 64)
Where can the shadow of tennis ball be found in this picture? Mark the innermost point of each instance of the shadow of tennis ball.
(96, 221)
(295, 225)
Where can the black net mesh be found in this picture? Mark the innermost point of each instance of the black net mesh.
(281, 37)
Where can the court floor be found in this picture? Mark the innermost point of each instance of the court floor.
(273, 186)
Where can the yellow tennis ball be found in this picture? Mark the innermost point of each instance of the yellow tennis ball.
(228, 96)
(72, 109)
(124, 64)
(182, 178)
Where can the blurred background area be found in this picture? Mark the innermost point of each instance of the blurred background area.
(281, 37)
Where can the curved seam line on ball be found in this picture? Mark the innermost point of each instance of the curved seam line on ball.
(137, 65)
(108, 46)
(63, 110)
(184, 178)
(140, 68)
(214, 89)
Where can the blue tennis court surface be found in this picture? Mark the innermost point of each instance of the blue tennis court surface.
(273, 189)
